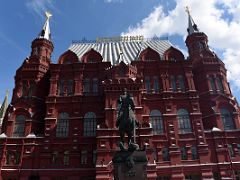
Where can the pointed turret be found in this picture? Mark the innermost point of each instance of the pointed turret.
(192, 27)
(45, 33)
(4, 107)
(209, 75)
(32, 84)
(196, 41)
(42, 46)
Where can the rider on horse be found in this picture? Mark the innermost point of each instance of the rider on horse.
(126, 118)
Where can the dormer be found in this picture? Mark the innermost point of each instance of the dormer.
(68, 57)
(92, 56)
(149, 54)
(173, 54)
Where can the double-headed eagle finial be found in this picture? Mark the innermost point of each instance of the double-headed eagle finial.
(48, 14)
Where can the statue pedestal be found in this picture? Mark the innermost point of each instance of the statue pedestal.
(130, 165)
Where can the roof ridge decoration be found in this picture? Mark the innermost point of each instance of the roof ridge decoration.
(45, 32)
(192, 27)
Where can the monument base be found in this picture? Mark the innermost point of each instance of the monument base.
(130, 165)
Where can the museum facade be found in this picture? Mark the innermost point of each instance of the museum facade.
(60, 123)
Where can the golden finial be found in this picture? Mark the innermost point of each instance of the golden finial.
(48, 14)
(187, 10)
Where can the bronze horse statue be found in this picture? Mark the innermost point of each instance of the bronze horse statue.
(126, 120)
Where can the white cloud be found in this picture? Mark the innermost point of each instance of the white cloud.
(40, 6)
(157, 23)
(230, 57)
(219, 19)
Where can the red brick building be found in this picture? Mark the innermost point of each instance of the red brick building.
(61, 120)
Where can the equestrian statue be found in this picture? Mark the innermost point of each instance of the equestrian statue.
(126, 121)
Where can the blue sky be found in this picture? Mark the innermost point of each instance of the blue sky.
(21, 21)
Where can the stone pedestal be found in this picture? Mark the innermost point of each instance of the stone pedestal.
(130, 165)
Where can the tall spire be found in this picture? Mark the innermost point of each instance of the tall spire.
(4, 107)
(192, 27)
(45, 33)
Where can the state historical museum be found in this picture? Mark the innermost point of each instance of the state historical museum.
(60, 124)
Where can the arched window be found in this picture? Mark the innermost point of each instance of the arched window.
(184, 124)
(173, 83)
(61, 87)
(147, 84)
(95, 85)
(70, 87)
(32, 87)
(62, 125)
(220, 84)
(212, 83)
(156, 121)
(90, 124)
(165, 154)
(86, 85)
(194, 152)
(227, 119)
(19, 126)
(181, 83)
(183, 153)
(155, 84)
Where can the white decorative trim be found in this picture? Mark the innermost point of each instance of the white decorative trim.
(31, 135)
(3, 135)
